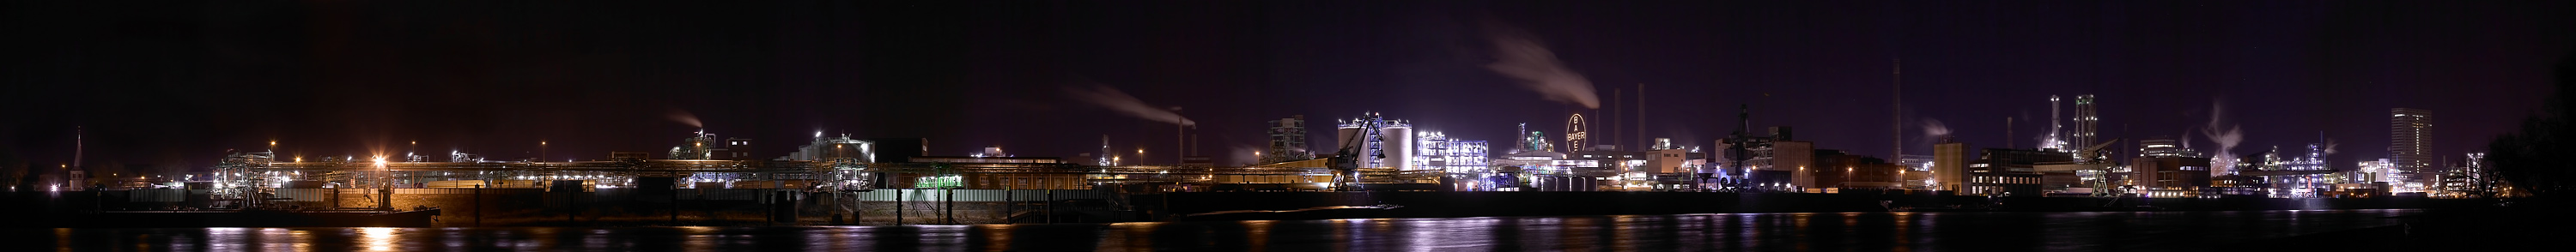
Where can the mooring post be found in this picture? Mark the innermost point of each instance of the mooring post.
(568, 206)
(898, 207)
(675, 204)
(948, 205)
(478, 205)
(1050, 206)
(1009, 206)
(859, 207)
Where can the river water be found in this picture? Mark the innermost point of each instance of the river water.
(2001, 231)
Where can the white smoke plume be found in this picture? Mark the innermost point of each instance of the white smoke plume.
(1114, 100)
(2330, 146)
(2225, 135)
(1933, 132)
(1520, 55)
(684, 117)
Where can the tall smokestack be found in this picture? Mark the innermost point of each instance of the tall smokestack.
(1896, 113)
(2052, 124)
(1180, 138)
(1520, 140)
(1744, 119)
(1640, 135)
(77, 141)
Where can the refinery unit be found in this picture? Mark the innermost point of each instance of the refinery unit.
(1396, 154)
(842, 174)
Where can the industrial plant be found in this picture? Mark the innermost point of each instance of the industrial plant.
(867, 180)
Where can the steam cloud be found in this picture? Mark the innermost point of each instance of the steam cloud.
(2226, 139)
(684, 117)
(1519, 55)
(2330, 146)
(1112, 99)
(1933, 131)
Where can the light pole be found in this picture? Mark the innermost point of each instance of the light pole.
(541, 155)
(384, 186)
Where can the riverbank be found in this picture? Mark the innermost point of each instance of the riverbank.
(768, 207)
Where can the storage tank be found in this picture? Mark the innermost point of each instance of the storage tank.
(1342, 139)
(1399, 147)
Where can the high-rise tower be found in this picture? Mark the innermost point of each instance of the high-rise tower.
(2410, 134)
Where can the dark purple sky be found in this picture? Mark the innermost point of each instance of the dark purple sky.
(156, 82)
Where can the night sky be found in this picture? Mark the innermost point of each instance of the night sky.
(163, 83)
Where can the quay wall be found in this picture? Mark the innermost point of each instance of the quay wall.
(756, 207)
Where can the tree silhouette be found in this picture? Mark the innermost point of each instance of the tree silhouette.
(2534, 158)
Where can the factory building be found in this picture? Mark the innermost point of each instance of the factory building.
(833, 148)
(703, 146)
(1671, 167)
(1439, 152)
(1287, 140)
(2011, 171)
(1788, 161)
(1765, 163)
(1836, 169)
(2171, 176)
(2467, 180)
(2272, 174)
(1949, 166)
(2376, 175)
(2164, 146)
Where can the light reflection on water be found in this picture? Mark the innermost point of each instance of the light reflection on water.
(1733, 232)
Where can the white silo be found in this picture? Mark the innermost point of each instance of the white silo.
(1342, 140)
(1398, 145)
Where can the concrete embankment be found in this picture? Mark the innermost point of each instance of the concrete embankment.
(1470, 204)
(625, 207)
(755, 207)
